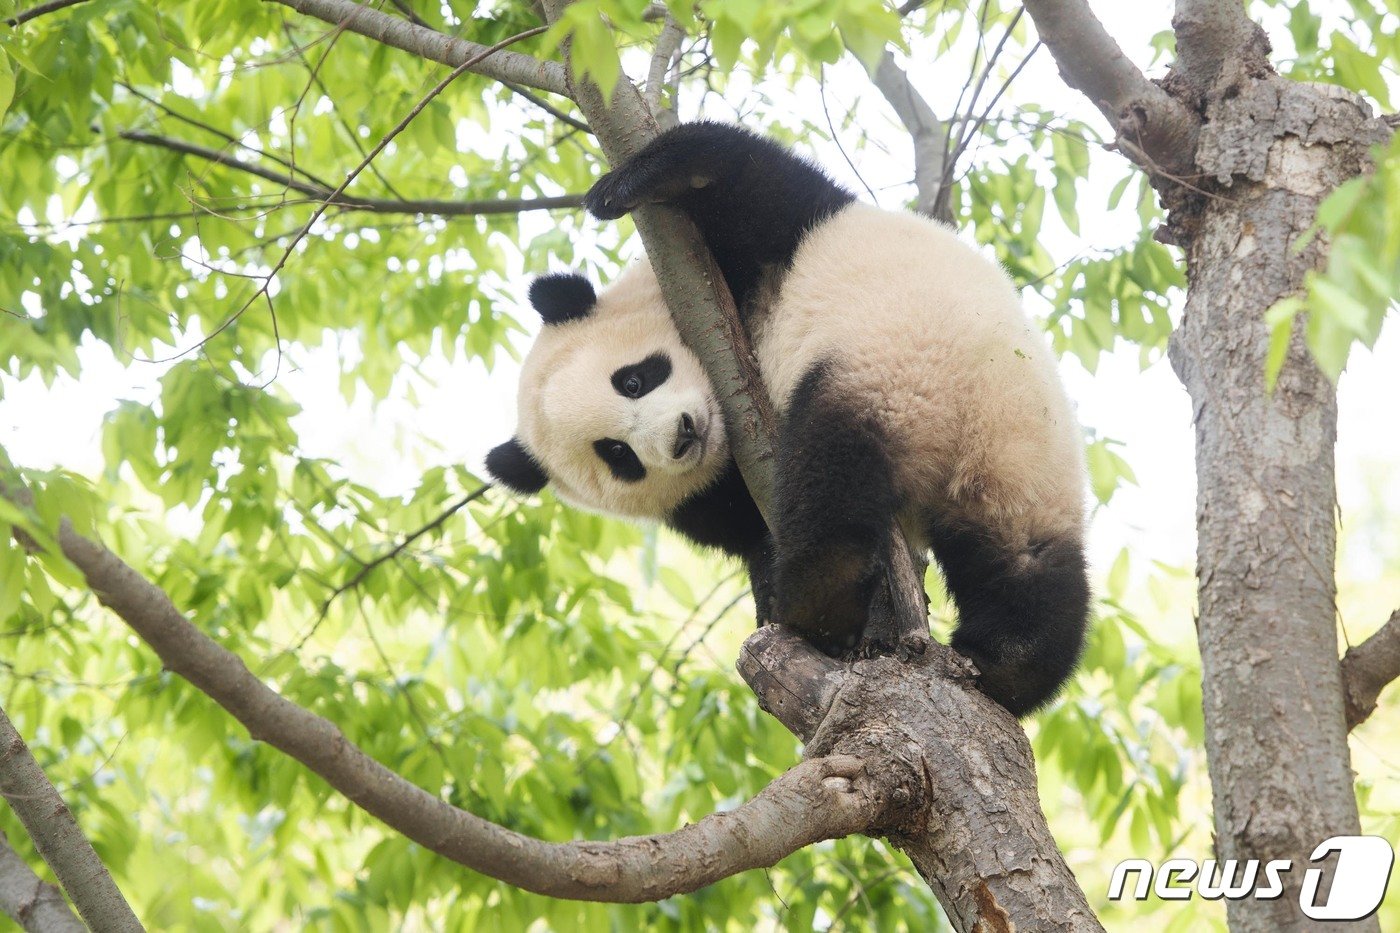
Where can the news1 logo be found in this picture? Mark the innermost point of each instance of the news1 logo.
(1359, 879)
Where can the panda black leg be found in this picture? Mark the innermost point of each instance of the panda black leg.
(760, 564)
(690, 156)
(1021, 615)
(835, 502)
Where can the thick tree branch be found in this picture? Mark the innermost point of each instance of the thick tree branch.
(964, 775)
(34, 12)
(514, 67)
(439, 208)
(820, 799)
(929, 134)
(35, 905)
(1154, 124)
(56, 835)
(1368, 668)
(1214, 36)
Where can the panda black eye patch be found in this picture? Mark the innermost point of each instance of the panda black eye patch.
(638, 379)
(621, 459)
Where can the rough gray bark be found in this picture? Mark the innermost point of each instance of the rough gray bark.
(59, 840)
(36, 906)
(976, 832)
(1242, 185)
(1276, 730)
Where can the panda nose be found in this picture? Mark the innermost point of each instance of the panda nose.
(685, 437)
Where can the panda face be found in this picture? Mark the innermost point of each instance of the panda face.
(615, 412)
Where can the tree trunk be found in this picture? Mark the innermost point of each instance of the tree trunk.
(955, 765)
(1276, 733)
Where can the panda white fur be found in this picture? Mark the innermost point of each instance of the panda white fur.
(909, 382)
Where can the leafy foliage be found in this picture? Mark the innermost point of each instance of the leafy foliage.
(1347, 303)
(561, 674)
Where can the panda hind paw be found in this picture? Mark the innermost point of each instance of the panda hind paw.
(607, 199)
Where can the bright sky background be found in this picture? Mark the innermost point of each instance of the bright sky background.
(460, 412)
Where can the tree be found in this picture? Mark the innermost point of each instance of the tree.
(206, 190)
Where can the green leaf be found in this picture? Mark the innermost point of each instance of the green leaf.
(7, 84)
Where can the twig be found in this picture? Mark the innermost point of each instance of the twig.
(34, 12)
(836, 138)
(982, 81)
(56, 835)
(226, 136)
(368, 567)
(547, 107)
(337, 197)
(314, 80)
(350, 177)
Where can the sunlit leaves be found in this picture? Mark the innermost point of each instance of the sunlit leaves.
(1347, 303)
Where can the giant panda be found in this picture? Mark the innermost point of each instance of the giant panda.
(909, 383)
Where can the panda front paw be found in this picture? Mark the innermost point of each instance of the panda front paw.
(608, 199)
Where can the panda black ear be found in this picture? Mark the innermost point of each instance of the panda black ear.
(511, 465)
(562, 296)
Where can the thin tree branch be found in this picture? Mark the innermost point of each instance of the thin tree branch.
(34, 12)
(515, 67)
(32, 903)
(339, 198)
(313, 72)
(928, 133)
(262, 292)
(56, 835)
(668, 46)
(368, 567)
(1091, 61)
(548, 108)
(819, 799)
(224, 135)
(1368, 668)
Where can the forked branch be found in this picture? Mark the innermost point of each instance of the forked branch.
(56, 835)
(820, 799)
(1091, 61)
